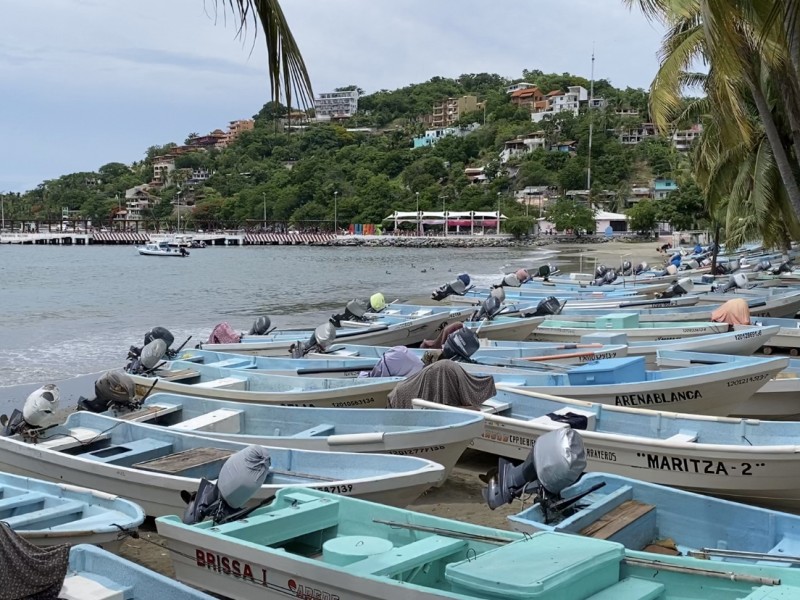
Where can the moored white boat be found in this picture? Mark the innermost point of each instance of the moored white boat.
(441, 438)
(47, 513)
(566, 330)
(161, 249)
(739, 459)
(152, 465)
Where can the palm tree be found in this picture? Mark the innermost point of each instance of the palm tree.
(748, 44)
(287, 71)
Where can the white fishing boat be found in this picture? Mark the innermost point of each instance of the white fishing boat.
(740, 459)
(192, 379)
(161, 249)
(441, 437)
(152, 465)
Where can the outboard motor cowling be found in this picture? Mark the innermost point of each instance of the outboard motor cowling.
(320, 340)
(113, 389)
(159, 333)
(461, 345)
(641, 268)
(763, 265)
(784, 267)
(457, 287)
(549, 306)
(626, 267)
(37, 412)
(739, 280)
(239, 479)
(679, 288)
(260, 326)
(353, 311)
(149, 357)
(600, 271)
(556, 461)
(490, 307)
(610, 276)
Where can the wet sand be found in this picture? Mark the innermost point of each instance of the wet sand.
(460, 496)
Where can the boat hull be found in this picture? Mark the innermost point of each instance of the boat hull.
(545, 333)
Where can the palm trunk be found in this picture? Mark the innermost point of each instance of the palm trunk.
(715, 250)
(775, 142)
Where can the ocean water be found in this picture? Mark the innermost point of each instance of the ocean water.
(67, 310)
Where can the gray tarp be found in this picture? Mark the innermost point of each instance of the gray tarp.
(444, 382)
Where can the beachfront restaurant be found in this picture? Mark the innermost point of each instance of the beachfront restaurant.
(473, 222)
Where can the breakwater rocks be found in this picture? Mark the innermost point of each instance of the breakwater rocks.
(462, 241)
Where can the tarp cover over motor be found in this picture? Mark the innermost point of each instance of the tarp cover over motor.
(733, 312)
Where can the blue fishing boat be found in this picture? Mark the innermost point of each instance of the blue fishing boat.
(94, 574)
(59, 513)
(152, 466)
(321, 545)
(656, 518)
(440, 437)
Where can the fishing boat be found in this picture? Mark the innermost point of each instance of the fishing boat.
(743, 341)
(161, 249)
(153, 465)
(739, 459)
(664, 520)
(94, 574)
(311, 544)
(59, 513)
(787, 338)
(440, 437)
(387, 330)
(192, 379)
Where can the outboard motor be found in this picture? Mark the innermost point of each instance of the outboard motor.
(159, 333)
(357, 309)
(641, 268)
(784, 267)
(148, 358)
(490, 307)
(763, 265)
(36, 413)
(261, 326)
(320, 341)
(461, 345)
(458, 287)
(114, 389)
(548, 306)
(544, 272)
(735, 281)
(600, 271)
(239, 479)
(610, 276)
(509, 280)
(626, 268)
(679, 288)
(556, 461)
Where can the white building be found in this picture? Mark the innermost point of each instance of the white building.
(682, 139)
(434, 135)
(523, 145)
(561, 102)
(519, 85)
(336, 105)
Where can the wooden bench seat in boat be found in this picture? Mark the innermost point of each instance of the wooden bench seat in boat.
(222, 420)
(177, 375)
(637, 518)
(12, 504)
(149, 412)
(79, 587)
(591, 418)
(321, 429)
(44, 517)
(176, 464)
(286, 524)
(415, 554)
(631, 588)
(684, 435)
(224, 383)
(78, 436)
(130, 452)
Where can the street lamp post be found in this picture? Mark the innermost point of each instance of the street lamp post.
(264, 196)
(336, 212)
(444, 213)
(498, 212)
(418, 219)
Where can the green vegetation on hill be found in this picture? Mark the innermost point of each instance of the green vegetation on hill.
(293, 178)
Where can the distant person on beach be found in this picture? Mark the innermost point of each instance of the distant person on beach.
(663, 249)
(698, 249)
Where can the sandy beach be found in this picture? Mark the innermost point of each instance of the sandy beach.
(460, 496)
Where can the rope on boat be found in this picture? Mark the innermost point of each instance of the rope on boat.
(708, 552)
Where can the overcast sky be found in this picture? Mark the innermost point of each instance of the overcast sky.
(87, 82)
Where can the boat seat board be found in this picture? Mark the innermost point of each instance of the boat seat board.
(321, 429)
(493, 406)
(78, 436)
(18, 501)
(178, 374)
(181, 461)
(283, 525)
(227, 383)
(130, 452)
(233, 363)
(222, 420)
(149, 412)
(684, 435)
(631, 588)
(398, 560)
(58, 511)
(79, 587)
(615, 520)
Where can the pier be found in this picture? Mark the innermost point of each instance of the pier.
(210, 239)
